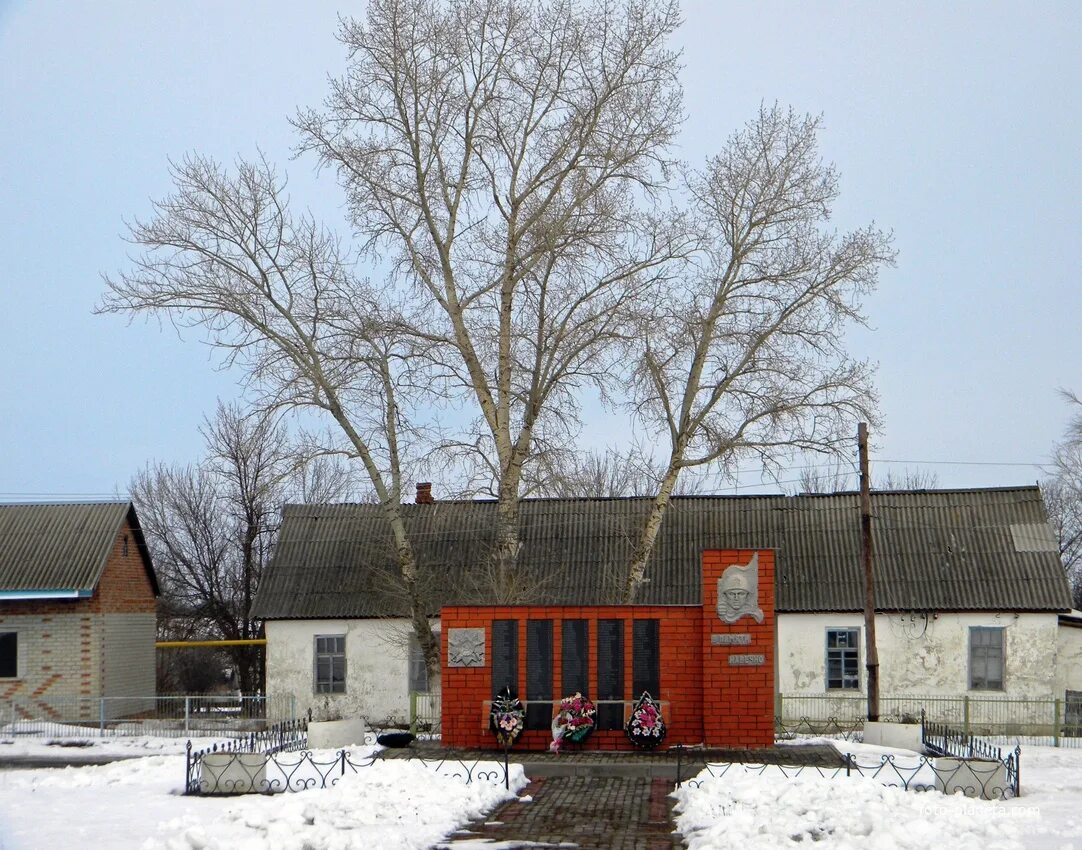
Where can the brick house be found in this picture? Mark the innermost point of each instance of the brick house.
(971, 596)
(78, 600)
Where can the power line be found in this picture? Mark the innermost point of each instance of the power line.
(737, 474)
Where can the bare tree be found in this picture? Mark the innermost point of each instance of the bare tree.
(1063, 498)
(600, 475)
(747, 357)
(908, 479)
(278, 296)
(836, 479)
(509, 161)
(814, 479)
(211, 526)
(501, 152)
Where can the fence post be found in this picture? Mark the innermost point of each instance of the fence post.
(413, 712)
(101, 717)
(187, 713)
(778, 707)
(1057, 714)
(965, 715)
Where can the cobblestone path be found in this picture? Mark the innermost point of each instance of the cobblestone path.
(588, 812)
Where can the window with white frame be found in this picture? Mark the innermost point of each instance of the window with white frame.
(843, 659)
(986, 658)
(418, 673)
(9, 655)
(330, 666)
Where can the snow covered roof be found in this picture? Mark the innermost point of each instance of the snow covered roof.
(934, 550)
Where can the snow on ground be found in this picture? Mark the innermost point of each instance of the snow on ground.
(393, 805)
(76, 746)
(769, 810)
(401, 804)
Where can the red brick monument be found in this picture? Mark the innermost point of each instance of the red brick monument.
(711, 667)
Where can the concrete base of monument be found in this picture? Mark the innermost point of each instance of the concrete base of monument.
(335, 734)
(901, 736)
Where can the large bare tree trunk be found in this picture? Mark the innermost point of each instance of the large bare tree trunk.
(747, 357)
(636, 568)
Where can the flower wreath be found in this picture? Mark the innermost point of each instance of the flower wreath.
(573, 722)
(646, 728)
(507, 718)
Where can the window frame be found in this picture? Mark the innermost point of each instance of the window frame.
(971, 671)
(331, 656)
(15, 636)
(841, 651)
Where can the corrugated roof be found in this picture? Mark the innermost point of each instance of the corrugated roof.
(61, 546)
(934, 550)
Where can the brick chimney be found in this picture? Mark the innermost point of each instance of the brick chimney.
(424, 493)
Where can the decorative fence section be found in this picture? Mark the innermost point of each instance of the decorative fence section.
(977, 760)
(425, 714)
(234, 771)
(168, 716)
(1053, 722)
(987, 780)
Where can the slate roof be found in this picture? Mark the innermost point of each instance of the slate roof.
(50, 547)
(986, 549)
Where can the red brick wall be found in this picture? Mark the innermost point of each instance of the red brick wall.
(124, 587)
(709, 699)
(739, 700)
(466, 689)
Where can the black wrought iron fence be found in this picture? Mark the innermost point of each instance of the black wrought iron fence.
(279, 761)
(941, 740)
(986, 779)
(845, 728)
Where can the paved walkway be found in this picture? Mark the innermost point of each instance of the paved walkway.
(587, 812)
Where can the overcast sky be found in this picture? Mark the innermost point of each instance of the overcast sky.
(955, 125)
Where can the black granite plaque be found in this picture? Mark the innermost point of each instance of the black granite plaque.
(504, 655)
(646, 658)
(610, 673)
(539, 674)
(575, 657)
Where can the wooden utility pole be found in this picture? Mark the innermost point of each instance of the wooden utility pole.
(870, 653)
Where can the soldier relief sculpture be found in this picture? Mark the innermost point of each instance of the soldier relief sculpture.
(738, 592)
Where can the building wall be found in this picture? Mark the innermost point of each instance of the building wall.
(59, 657)
(926, 656)
(1069, 659)
(377, 672)
(70, 648)
(128, 659)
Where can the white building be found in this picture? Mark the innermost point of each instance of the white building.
(971, 596)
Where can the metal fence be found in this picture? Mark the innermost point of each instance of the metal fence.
(279, 761)
(985, 779)
(425, 714)
(167, 716)
(1050, 722)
